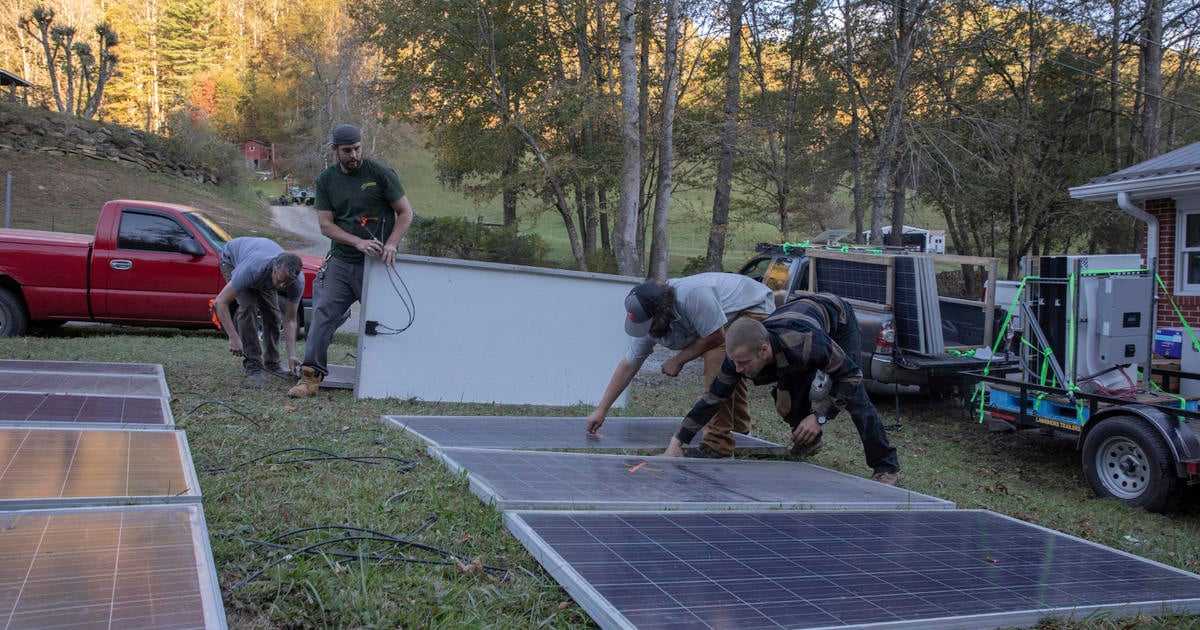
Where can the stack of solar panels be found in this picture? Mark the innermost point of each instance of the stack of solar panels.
(656, 542)
(906, 283)
(918, 316)
(100, 515)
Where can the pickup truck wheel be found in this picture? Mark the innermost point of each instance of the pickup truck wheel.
(14, 320)
(1125, 458)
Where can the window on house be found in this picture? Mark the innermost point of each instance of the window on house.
(1189, 252)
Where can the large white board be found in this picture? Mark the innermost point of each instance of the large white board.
(486, 332)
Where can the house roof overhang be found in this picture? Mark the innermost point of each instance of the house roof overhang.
(8, 78)
(1168, 175)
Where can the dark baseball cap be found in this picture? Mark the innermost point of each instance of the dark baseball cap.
(641, 305)
(345, 134)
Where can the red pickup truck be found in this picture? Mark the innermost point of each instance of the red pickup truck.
(149, 264)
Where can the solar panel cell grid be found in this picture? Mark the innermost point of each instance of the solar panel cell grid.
(71, 466)
(45, 409)
(120, 569)
(815, 569)
(865, 281)
(907, 307)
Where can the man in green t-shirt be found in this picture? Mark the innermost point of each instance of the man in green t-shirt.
(362, 208)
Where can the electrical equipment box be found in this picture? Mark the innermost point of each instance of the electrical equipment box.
(1122, 329)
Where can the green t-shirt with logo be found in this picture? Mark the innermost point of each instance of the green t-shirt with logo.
(361, 203)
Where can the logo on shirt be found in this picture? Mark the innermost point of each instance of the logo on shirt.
(368, 185)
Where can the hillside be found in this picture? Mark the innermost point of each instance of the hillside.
(55, 185)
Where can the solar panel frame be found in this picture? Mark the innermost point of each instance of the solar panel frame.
(540, 480)
(36, 409)
(813, 569)
(558, 432)
(81, 367)
(42, 467)
(159, 568)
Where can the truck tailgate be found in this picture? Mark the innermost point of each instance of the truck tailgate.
(52, 269)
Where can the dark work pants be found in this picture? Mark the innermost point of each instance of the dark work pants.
(252, 303)
(336, 288)
(880, 454)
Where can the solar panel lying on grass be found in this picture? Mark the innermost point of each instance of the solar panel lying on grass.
(56, 467)
(83, 383)
(130, 567)
(551, 480)
(81, 367)
(48, 410)
(903, 569)
(340, 377)
(508, 432)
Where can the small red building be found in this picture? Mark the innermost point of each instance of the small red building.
(1164, 193)
(258, 155)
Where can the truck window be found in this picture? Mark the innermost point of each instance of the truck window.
(755, 268)
(213, 233)
(776, 277)
(150, 232)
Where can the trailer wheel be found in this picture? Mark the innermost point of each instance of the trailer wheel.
(1127, 459)
(14, 320)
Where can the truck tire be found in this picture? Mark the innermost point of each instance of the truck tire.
(14, 319)
(1127, 459)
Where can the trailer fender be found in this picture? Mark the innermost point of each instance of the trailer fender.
(1178, 434)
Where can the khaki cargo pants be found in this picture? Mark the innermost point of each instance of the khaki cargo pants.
(734, 415)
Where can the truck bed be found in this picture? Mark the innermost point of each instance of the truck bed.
(52, 266)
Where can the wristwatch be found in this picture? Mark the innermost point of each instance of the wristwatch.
(821, 420)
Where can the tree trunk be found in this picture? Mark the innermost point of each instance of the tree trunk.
(729, 134)
(1152, 57)
(509, 195)
(660, 255)
(898, 210)
(891, 136)
(560, 199)
(625, 237)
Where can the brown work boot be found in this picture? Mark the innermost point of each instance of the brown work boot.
(889, 478)
(705, 451)
(310, 382)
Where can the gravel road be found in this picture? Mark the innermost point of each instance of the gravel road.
(302, 221)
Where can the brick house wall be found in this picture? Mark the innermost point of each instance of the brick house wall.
(1189, 306)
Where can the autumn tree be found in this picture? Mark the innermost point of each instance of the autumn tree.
(78, 74)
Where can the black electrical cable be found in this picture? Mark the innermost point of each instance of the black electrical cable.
(225, 405)
(406, 465)
(373, 536)
(405, 295)
(406, 299)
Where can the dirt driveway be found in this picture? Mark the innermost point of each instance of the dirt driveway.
(301, 221)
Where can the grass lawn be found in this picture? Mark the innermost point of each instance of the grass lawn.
(242, 440)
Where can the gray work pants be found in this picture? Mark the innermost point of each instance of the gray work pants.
(337, 286)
